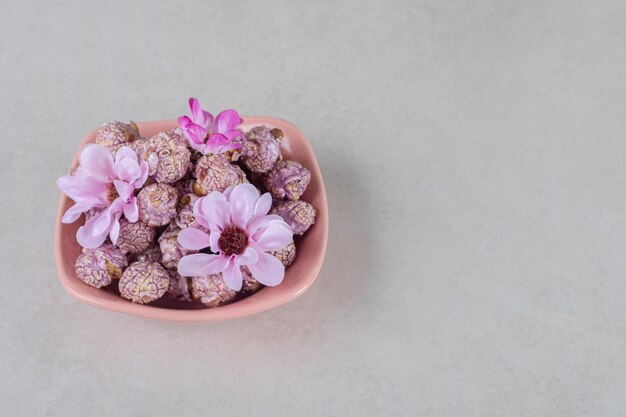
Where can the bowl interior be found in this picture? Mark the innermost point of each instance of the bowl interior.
(298, 278)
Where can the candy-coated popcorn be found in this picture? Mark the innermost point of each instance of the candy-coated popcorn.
(286, 255)
(152, 254)
(185, 217)
(298, 214)
(98, 267)
(184, 186)
(178, 135)
(211, 290)
(179, 287)
(250, 284)
(171, 250)
(143, 282)
(168, 158)
(134, 237)
(114, 135)
(216, 173)
(157, 204)
(262, 148)
(287, 180)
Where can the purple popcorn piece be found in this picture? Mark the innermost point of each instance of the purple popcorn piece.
(171, 250)
(184, 186)
(287, 180)
(178, 135)
(114, 135)
(185, 217)
(250, 284)
(134, 237)
(157, 204)
(298, 214)
(143, 282)
(262, 148)
(140, 146)
(215, 173)
(98, 267)
(211, 290)
(285, 255)
(179, 287)
(152, 254)
(168, 158)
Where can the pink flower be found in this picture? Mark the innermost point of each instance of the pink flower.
(241, 232)
(106, 185)
(208, 135)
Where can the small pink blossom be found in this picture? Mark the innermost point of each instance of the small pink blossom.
(241, 232)
(107, 185)
(211, 135)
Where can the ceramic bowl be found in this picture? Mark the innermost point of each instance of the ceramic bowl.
(298, 278)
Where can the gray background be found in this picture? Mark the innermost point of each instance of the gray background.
(474, 155)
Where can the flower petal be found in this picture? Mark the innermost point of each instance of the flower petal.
(262, 222)
(276, 236)
(201, 264)
(68, 184)
(228, 191)
(263, 206)
(115, 230)
(97, 160)
(214, 210)
(124, 189)
(242, 202)
(194, 133)
(232, 276)
(184, 121)
(233, 134)
(127, 170)
(227, 120)
(199, 116)
(268, 270)
(131, 211)
(236, 139)
(250, 256)
(200, 147)
(191, 238)
(100, 222)
(198, 214)
(216, 143)
(74, 212)
(214, 238)
(90, 185)
(139, 182)
(125, 152)
(88, 238)
(197, 133)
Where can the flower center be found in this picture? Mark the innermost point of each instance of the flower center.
(112, 194)
(233, 241)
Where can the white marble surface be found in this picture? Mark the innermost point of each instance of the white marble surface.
(474, 155)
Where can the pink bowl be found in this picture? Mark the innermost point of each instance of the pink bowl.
(298, 278)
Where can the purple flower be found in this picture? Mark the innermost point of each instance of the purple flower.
(107, 185)
(241, 232)
(208, 135)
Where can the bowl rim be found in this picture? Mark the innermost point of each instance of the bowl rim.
(74, 287)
